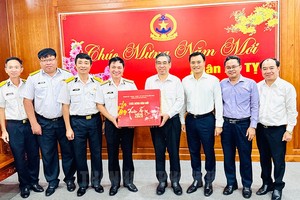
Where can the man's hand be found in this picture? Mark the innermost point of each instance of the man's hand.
(5, 136)
(165, 117)
(218, 131)
(36, 129)
(250, 133)
(287, 136)
(70, 134)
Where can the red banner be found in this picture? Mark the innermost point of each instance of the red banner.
(249, 30)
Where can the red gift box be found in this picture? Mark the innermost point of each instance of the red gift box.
(139, 108)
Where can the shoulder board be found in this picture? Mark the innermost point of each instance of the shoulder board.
(98, 79)
(3, 83)
(70, 79)
(65, 70)
(129, 81)
(105, 82)
(34, 73)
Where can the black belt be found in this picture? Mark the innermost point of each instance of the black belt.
(264, 126)
(200, 116)
(87, 117)
(235, 121)
(53, 119)
(23, 121)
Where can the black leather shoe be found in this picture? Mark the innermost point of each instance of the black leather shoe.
(247, 192)
(113, 190)
(25, 192)
(177, 188)
(50, 190)
(131, 187)
(194, 186)
(98, 188)
(264, 189)
(208, 189)
(229, 189)
(161, 188)
(37, 188)
(71, 186)
(81, 191)
(276, 195)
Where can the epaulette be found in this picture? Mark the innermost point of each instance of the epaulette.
(129, 81)
(70, 79)
(34, 73)
(98, 79)
(65, 70)
(3, 83)
(105, 82)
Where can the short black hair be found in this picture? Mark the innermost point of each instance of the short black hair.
(83, 56)
(162, 54)
(44, 53)
(197, 54)
(13, 58)
(276, 61)
(232, 57)
(116, 59)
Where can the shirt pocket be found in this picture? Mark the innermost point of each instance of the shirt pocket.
(75, 96)
(41, 91)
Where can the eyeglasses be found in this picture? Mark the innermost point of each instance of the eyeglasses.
(47, 60)
(231, 67)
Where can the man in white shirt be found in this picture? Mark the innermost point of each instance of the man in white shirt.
(16, 129)
(204, 120)
(167, 135)
(45, 116)
(277, 118)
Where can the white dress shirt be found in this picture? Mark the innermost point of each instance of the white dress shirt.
(277, 104)
(108, 94)
(80, 96)
(11, 100)
(203, 96)
(44, 90)
(172, 95)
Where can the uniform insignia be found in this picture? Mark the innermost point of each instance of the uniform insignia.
(34, 73)
(98, 79)
(8, 94)
(3, 83)
(76, 89)
(70, 79)
(42, 82)
(105, 82)
(110, 92)
(128, 81)
(23, 80)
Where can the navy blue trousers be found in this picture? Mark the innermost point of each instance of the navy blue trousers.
(201, 131)
(25, 150)
(115, 138)
(54, 132)
(88, 130)
(234, 137)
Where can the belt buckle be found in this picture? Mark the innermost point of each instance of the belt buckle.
(232, 121)
(88, 117)
(24, 121)
(55, 119)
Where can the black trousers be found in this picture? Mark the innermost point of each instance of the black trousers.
(201, 131)
(271, 147)
(234, 137)
(25, 150)
(114, 138)
(54, 132)
(167, 138)
(88, 130)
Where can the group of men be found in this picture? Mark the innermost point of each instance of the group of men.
(53, 107)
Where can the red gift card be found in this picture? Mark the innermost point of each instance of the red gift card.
(139, 108)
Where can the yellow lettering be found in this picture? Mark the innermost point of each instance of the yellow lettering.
(184, 47)
(236, 47)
